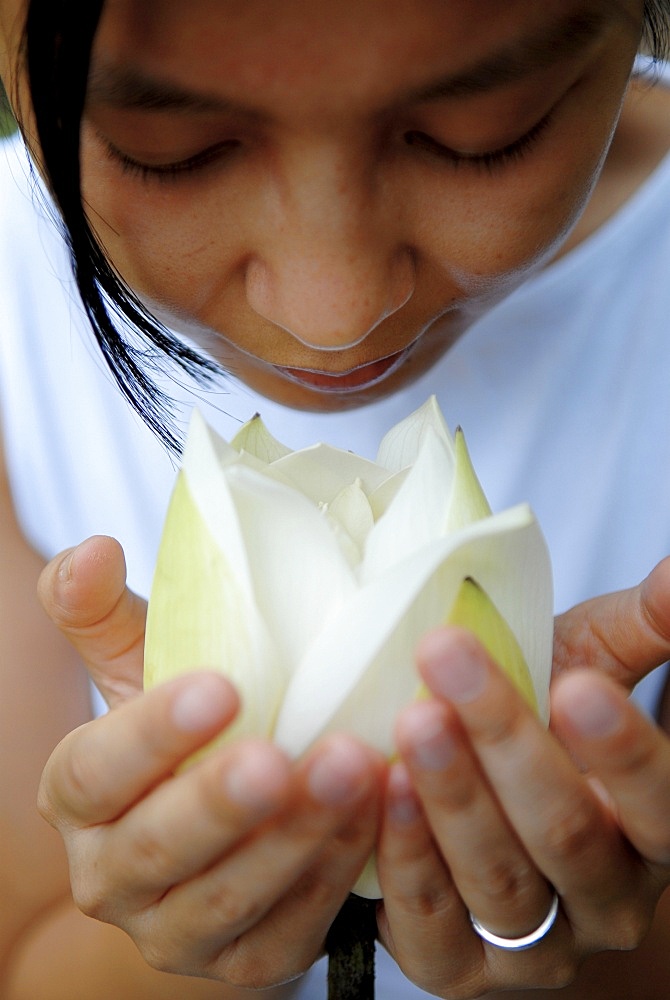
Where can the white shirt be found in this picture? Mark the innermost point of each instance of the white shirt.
(562, 391)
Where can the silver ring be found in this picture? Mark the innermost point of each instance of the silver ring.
(520, 943)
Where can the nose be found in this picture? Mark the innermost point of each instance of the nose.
(332, 265)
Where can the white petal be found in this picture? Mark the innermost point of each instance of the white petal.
(367, 884)
(383, 496)
(300, 575)
(206, 456)
(360, 670)
(418, 512)
(351, 508)
(347, 545)
(400, 447)
(320, 472)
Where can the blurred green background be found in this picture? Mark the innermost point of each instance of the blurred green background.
(7, 123)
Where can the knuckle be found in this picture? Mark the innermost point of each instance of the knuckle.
(90, 896)
(242, 967)
(93, 889)
(574, 833)
(66, 781)
(314, 889)
(81, 784)
(560, 972)
(229, 910)
(150, 855)
(509, 885)
(159, 958)
(161, 946)
(500, 729)
(436, 904)
(461, 794)
(627, 928)
(244, 973)
(547, 973)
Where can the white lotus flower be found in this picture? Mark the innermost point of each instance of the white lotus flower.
(308, 577)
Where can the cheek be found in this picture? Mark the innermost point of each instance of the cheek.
(176, 248)
(488, 231)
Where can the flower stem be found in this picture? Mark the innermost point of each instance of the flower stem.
(351, 951)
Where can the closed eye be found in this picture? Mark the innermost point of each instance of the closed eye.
(171, 171)
(490, 160)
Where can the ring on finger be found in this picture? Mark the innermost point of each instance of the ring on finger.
(520, 943)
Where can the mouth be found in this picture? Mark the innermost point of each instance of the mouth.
(343, 382)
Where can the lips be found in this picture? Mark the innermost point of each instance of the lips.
(357, 378)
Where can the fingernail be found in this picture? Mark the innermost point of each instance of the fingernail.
(338, 775)
(402, 804)
(65, 567)
(452, 671)
(200, 705)
(596, 714)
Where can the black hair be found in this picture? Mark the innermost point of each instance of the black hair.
(656, 34)
(58, 39)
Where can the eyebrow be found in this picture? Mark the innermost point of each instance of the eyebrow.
(126, 88)
(563, 38)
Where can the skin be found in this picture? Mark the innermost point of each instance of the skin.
(446, 841)
(341, 244)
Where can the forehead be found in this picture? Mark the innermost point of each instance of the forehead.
(276, 47)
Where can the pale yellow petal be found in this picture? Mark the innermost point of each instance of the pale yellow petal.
(200, 617)
(255, 439)
(475, 611)
(467, 501)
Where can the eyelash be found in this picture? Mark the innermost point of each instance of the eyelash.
(495, 160)
(170, 171)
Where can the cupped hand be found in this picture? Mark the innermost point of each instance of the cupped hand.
(232, 868)
(488, 812)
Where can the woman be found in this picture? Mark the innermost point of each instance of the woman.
(325, 197)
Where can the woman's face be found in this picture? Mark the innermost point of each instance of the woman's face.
(326, 193)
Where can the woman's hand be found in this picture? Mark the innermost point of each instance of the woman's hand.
(546, 824)
(231, 869)
(488, 812)
(83, 590)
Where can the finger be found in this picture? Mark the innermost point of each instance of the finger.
(492, 870)
(190, 822)
(297, 924)
(337, 785)
(98, 771)
(564, 826)
(625, 634)
(422, 915)
(628, 753)
(83, 590)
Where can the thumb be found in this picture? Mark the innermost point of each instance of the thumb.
(83, 590)
(624, 635)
